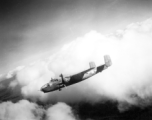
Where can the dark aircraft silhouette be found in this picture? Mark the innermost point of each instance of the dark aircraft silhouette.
(60, 82)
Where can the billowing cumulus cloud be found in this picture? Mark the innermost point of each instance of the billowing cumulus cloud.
(22, 110)
(25, 110)
(60, 111)
(31, 79)
(12, 73)
(128, 80)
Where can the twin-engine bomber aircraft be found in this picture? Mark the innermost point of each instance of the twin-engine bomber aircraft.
(60, 82)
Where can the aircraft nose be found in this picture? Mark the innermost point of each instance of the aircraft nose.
(48, 88)
(44, 87)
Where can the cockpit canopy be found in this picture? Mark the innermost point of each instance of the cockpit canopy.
(54, 80)
(45, 86)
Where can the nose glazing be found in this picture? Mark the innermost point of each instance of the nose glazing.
(43, 88)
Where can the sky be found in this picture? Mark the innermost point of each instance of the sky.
(40, 40)
(32, 29)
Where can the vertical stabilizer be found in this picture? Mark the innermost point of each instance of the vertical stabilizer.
(92, 65)
(107, 60)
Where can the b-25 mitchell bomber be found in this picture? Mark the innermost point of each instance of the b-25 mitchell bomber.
(61, 81)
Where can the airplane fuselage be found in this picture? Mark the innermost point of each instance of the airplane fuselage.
(56, 84)
(60, 82)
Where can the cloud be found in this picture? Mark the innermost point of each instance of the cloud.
(128, 80)
(130, 50)
(12, 73)
(22, 110)
(25, 110)
(13, 84)
(31, 79)
(60, 111)
(2, 87)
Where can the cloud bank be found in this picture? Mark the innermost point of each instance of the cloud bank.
(25, 110)
(127, 80)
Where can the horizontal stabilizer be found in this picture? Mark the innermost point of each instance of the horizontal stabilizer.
(107, 60)
(92, 65)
